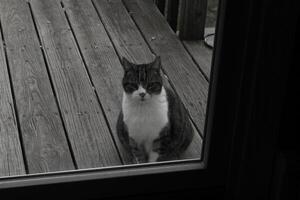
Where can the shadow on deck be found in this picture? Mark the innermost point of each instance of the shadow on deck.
(60, 80)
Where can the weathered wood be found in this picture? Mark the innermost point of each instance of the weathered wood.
(44, 139)
(129, 43)
(192, 14)
(87, 129)
(124, 34)
(201, 54)
(11, 159)
(184, 75)
(101, 59)
(171, 13)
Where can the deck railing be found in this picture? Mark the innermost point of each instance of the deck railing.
(186, 17)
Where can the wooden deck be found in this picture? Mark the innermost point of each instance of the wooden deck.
(60, 80)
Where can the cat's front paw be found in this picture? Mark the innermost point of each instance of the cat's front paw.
(140, 155)
(138, 152)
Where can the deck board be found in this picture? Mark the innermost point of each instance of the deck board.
(11, 159)
(190, 84)
(124, 34)
(87, 129)
(101, 59)
(43, 135)
(201, 54)
(129, 43)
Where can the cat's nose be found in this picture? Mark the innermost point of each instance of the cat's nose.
(142, 94)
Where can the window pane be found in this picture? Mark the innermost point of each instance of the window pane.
(92, 84)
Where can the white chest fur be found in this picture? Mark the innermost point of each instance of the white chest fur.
(145, 119)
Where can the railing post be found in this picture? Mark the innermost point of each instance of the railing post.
(192, 14)
(171, 13)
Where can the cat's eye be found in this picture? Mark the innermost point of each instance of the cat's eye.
(130, 87)
(154, 86)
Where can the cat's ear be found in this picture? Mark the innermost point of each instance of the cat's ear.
(156, 63)
(126, 64)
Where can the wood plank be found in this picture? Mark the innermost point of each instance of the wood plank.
(129, 43)
(102, 61)
(192, 15)
(43, 135)
(201, 54)
(124, 34)
(87, 129)
(190, 84)
(11, 159)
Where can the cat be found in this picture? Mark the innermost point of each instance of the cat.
(153, 124)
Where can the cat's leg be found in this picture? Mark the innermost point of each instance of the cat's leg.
(124, 137)
(161, 150)
(152, 149)
(138, 152)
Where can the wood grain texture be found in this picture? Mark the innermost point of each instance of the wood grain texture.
(44, 139)
(87, 129)
(190, 84)
(192, 15)
(201, 54)
(11, 159)
(123, 32)
(129, 43)
(102, 61)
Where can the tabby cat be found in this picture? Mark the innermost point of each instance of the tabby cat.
(153, 124)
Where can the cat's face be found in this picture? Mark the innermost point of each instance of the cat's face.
(142, 82)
